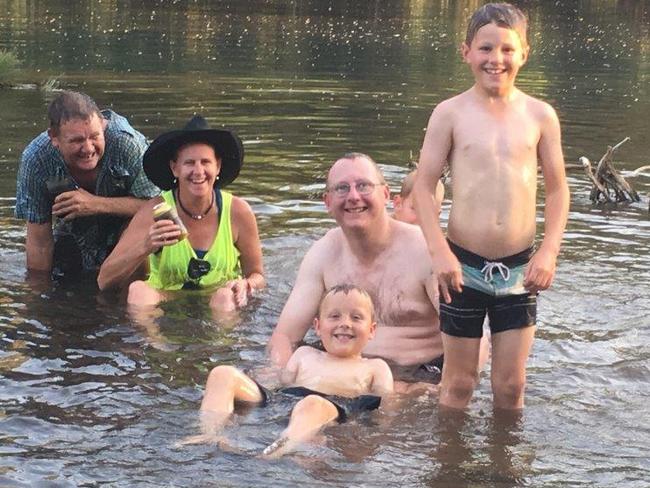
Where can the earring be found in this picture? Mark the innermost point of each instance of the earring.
(217, 177)
(175, 182)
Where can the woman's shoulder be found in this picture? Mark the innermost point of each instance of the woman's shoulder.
(240, 207)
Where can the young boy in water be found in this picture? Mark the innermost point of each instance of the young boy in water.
(403, 202)
(332, 384)
(493, 136)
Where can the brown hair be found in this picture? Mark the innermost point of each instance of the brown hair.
(71, 105)
(347, 288)
(501, 14)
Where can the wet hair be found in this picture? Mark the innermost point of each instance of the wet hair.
(70, 105)
(407, 184)
(347, 288)
(358, 155)
(502, 14)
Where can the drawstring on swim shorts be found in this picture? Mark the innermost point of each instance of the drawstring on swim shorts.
(488, 271)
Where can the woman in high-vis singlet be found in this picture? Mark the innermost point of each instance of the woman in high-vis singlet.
(209, 243)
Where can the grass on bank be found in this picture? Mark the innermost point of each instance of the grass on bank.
(9, 64)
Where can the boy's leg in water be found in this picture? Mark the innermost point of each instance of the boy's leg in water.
(225, 385)
(510, 350)
(308, 417)
(460, 373)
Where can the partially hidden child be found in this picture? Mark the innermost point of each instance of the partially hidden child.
(404, 203)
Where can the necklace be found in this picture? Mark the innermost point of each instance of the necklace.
(191, 215)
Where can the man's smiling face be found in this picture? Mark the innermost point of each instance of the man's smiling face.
(80, 142)
(356, 193)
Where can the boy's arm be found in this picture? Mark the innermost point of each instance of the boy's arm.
(433, 156)
(290, 371)
(382, 378)
(541, 268)
(301, 307)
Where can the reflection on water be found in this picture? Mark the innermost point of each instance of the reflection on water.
(86, 397)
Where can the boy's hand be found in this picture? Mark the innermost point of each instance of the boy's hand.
(447, 269)
(540, 271)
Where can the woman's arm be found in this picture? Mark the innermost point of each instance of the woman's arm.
(247, 240)
(141, 237)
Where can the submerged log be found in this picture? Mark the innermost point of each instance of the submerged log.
(608, 184)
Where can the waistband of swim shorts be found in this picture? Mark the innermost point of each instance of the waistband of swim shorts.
(476, 261)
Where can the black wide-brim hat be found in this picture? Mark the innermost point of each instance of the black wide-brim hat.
(227, 146)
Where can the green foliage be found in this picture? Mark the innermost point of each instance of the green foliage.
(8, 65)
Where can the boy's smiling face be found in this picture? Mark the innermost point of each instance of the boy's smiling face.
(345, 324)
(495, 56)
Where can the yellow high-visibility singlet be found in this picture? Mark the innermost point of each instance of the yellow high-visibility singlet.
(168, 268)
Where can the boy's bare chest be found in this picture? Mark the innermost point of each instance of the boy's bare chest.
(512, 137)
(335, 377)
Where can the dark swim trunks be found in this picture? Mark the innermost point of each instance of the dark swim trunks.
(494, 288)
(430, 372)
(345, 406)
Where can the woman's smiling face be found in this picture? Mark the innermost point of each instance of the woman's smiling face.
(196, 167)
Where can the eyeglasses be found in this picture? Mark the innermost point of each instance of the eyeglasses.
(362, 188)
(196, 269)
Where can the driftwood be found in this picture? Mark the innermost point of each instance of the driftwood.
(608, 184)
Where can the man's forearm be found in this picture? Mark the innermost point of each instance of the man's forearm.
(39, 247)
(125, 206)
(40, 259)
(280, 349)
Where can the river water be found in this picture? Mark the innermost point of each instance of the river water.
(86, 399)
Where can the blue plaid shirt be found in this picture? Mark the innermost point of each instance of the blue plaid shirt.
(120, 175)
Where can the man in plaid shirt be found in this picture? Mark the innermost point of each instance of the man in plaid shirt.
(85, 172)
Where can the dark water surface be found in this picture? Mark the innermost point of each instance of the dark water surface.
(87, 400)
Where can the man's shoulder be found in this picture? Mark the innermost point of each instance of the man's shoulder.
(120, 133)
(409, 246)
(330, 243)
(40, 160)
(39, 147)
(408, 236)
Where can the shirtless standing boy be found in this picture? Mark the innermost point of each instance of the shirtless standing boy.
(493, 136)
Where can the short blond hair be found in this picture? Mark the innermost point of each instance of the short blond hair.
(358, 155)
(346, 288)
(409, 181)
